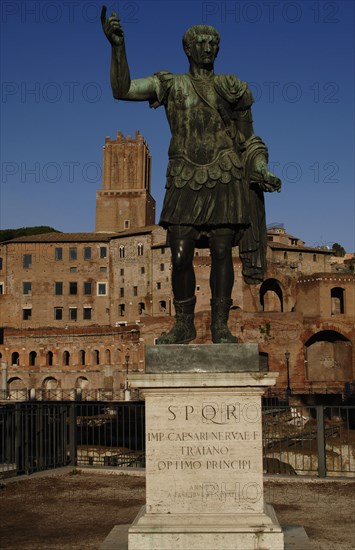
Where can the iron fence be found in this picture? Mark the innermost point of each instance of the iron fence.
(74, 394)
(109, 434)
(32, 438)
(36, 436)
(306, 440)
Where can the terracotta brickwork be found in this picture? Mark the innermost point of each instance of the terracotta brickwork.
(125, 201)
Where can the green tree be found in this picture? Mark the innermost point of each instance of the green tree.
(8, 234)
(338, 250)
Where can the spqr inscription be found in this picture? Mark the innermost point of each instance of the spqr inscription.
(216, 413)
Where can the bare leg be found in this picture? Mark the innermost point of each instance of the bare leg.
(221, 282)
(183, 282)
(222, 272)
(183, 275)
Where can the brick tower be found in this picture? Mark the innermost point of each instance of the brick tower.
(125, 201)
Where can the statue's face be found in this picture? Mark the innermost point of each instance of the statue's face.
(203, 50)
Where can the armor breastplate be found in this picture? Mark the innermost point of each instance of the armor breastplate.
(198, 132)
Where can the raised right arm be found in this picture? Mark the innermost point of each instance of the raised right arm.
(123, 87)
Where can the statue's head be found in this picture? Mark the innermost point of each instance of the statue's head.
(198, 33)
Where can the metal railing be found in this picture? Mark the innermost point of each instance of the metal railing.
(306, 440)
(32, 438)
(36, 436)
(109, 435)
(40, 436)
(74, 394)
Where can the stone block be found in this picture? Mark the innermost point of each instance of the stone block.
(201, 358)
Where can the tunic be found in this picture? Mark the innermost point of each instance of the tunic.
(205, 184)
(210, 162)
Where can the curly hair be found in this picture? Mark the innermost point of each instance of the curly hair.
(192, 32)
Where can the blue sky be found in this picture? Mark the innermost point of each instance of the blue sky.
(57, 107)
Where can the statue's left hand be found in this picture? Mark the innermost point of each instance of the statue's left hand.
(266, 181)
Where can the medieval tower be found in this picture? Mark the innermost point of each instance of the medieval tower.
(125, 202)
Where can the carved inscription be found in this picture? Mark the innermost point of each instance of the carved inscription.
(207, 449)
(222, 492)
(203, 436)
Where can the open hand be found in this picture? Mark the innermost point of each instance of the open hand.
(112, 28)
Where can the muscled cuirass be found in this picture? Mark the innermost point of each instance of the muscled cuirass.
(201, 149)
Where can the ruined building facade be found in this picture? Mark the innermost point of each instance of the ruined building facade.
(76, 309)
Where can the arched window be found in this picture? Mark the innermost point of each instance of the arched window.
(285, 255)
(82, 383)
(81, 357)
(337, 298)
(140, 249)
(15, 383)
(49, 358)
(15, 358)
(121, 251)
(314, 257)
(162, 305)
(66, 358)
(271, 297)
(50, 383)
(107, 356)
(141, 308)
(96, 356)
(32, 358)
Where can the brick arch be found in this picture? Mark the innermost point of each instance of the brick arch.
(329, 335)
(82, 383)
(327, 327)
(50, 383)
(271, 295)
(15, 383)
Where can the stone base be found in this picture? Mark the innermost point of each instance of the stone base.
(204, 468)
(295, 538)
(206, 531)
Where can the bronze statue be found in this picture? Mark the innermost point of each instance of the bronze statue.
(216, 175)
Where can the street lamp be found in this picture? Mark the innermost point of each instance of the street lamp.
(288, 389)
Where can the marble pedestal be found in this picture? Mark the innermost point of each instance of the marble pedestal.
(204, 451)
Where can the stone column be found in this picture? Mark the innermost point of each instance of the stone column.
(204, 465)
(4, 379)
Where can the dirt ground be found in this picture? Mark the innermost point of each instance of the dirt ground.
(73, 511)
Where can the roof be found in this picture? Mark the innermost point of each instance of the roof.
(136, 231)
(298, 248)
(55, 237)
